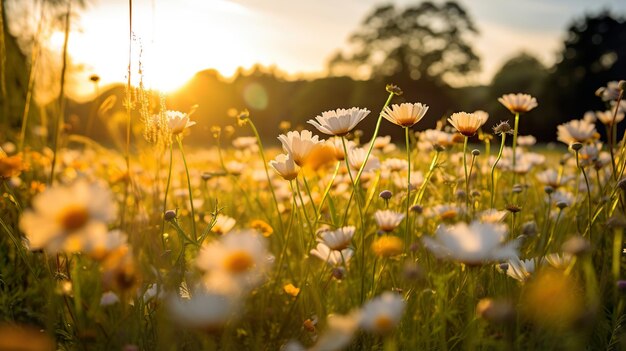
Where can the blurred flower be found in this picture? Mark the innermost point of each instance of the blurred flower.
(467, 123)
(262, 227)
(518, 103)
(339, 333)
(575, 131)
(24, 338)
(332, 257)
(205, 310)
(559, 260)
(496, 311)
(357, 158)
(337, 145)
(240, 256)
(606, 117)
(526, 140)
(383, 313)
(492, 216)
(223, 224)
(340, 121)
(285, 166)
(246, 143)
(387, 246)
(178, 121)
(68, 218)
(388, 220)
(406, 114)
(553, 178)
(290, 289)
(520, 269)
(338, 239)
(11, 166)
(475, 243)
(299, 144)
(553, 299)
(109, 298)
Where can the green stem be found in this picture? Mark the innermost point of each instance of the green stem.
(167, 188)
(493, 171)
(267, 173)
(408, 184)
(466, 174)
(308, 191)
(422, 189)
(582, 170)
(326, 191)
(515, 145)
(193, 211)
(369, 151)
(61, 112)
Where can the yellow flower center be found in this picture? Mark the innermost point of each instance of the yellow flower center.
(74, 217)
(383, 323)
(238, 262)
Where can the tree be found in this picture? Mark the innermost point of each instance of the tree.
(594, 53)
(426, 40)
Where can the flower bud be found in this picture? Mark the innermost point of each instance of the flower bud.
(170, 215)
(385, 194)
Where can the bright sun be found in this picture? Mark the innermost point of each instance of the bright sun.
(214, 35)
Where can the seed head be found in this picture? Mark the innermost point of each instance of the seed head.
(502, 127)
(576, 146)
(513, 208)
(385, 194)
(393, 89)
(417, 209)
(475, 152)
(170, 215)
(561, 205)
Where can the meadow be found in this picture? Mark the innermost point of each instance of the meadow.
(458, 237)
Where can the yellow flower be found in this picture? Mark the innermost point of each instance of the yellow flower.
(387, 246)
(291, 290)
(11, 166)
(262, 227)
(553, 300)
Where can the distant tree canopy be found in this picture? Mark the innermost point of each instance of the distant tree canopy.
(594, 53)
(426, 40)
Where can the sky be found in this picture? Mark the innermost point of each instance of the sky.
(178, 38)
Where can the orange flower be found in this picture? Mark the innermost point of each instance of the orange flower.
(11, 166)
(291, 290)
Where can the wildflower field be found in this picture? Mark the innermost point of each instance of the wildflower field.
(459, 237)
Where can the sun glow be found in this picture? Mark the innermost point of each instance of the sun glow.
(171, 42)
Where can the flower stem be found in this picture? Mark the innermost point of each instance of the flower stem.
(466, 174)
(408, 183)
(515, 128)
(493, 170)
(193, 211)
(167, 188)
(369, 151)
(420, 193)
(582, 170)
(267, 173)
(326, 191)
